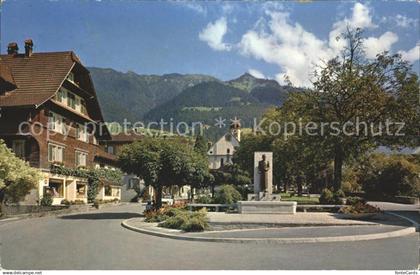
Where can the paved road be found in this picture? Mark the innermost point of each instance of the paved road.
(97, 241)
(301, 232)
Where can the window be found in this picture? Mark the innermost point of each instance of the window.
(80, 189)
(55, 153)
(55, 188)
(81, 133)
(71, 100)
(18, 148)
(110, 149)
(83, 108)
(56, 123)
(115, 191)
(228, 151)
(61, 95)
(108, 190)
(81, 158)
(222, 162)
(70, 77)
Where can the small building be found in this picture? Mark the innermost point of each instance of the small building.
(221, 152)
(113, 146)
(50, 115)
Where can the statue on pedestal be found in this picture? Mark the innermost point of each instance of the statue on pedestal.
(263, 168)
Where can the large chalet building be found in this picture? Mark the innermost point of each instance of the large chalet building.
(50, 115)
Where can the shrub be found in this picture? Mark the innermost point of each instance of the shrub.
(327, 197)
(339, 194)
(350, 180)
(184, 220)
(204, 199)
(47, 200)
(359, 208)
(17, 178)
(244, 190)
(175, 222)
(154, 216)
(228, 195)
(65, 202)
(338, 197)
(195, 224)
(389, 176)
(354, 200)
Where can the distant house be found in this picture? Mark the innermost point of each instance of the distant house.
(131, 182)
(50, 115)
(221, 152)
(113, 146)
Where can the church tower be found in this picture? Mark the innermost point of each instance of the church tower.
(235, 129)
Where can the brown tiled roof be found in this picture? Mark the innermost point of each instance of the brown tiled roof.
(126, 137)
(37, 77)
(6, 75)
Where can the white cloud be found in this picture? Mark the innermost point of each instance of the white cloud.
(227, 8)
(290, 46)
(361, 18)
(374, 45)
(195, 6)
(296, 51)
(213, 34)
(411, 55)
(404, 21)
(256, 73)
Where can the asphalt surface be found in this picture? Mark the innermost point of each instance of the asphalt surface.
(301, 232)
(97, 241)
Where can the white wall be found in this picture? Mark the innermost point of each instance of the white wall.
(222, 149)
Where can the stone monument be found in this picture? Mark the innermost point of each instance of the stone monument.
(263, 172)
(263, 201)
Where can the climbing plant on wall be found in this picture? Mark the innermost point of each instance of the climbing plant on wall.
(94, 176)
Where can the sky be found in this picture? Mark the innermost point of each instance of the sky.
(223, 39)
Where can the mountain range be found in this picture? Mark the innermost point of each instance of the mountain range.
(185, 97)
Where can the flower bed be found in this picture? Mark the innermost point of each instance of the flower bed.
(359, 210)
(178, 217)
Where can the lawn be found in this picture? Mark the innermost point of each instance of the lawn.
(299, 200)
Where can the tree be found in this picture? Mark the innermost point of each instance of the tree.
(389, 176)
(165, 162)
(200, 145)
(17, 178)
(353, 89)
(244, 154)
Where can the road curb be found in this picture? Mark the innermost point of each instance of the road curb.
(56, 213)
(413, 222)
(375, 236)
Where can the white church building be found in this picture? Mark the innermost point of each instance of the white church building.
(221, 152)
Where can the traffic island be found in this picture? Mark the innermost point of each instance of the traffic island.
(296, 229)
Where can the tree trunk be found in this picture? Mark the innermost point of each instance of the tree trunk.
(159, 190)
(192, 194)
(285, 185)
(338, 166)
(299, 186)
